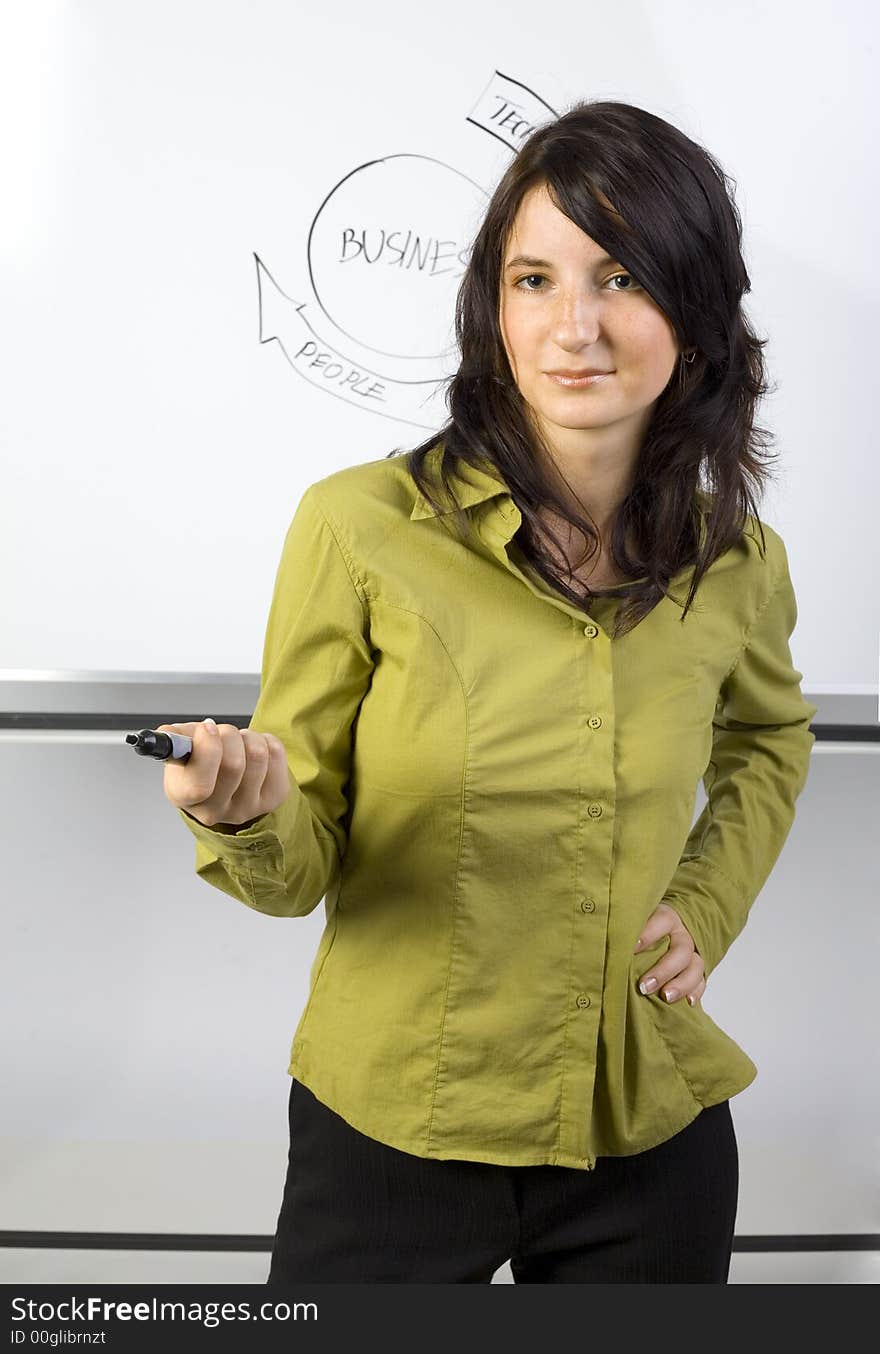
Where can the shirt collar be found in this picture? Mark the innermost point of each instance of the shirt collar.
(478, 486)
(482, 485)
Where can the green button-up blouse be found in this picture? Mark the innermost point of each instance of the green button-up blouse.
(492, 795)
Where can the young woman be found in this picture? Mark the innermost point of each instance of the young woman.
(495, 671)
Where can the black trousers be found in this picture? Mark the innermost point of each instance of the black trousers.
(358, 1211)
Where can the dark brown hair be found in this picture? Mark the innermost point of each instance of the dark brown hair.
(673, 223)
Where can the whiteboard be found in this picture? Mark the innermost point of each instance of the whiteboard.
(230, 245)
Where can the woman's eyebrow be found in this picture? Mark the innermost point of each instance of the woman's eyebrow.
(526, 260)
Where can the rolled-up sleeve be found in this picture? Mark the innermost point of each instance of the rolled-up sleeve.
(758, 767)
(316, 669)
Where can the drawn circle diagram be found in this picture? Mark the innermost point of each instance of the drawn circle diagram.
(387, 250)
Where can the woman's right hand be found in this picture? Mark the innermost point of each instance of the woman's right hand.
(231, 776)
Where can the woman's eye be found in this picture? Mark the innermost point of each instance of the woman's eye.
(618, 276)
(528, 278)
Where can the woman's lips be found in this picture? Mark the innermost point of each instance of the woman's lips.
(577, 382)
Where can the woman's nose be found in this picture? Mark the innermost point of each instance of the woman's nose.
(577, 313)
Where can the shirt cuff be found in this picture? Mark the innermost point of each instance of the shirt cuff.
(710, 905)
(260, 846)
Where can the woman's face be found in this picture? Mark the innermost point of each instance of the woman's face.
(580, 310)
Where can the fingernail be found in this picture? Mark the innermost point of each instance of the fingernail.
(210, 722)
(671, 993)
(647, 985)
(692, 999)
(638, 945)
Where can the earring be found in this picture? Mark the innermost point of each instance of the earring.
(681, 371)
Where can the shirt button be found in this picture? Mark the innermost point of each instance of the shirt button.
(587, 905)
(583, 999)
(595, 810)
(591, 631)
(594, 722)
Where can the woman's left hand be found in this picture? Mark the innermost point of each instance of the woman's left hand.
(680, 972)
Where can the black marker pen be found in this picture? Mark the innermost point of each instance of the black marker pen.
(154, 743)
